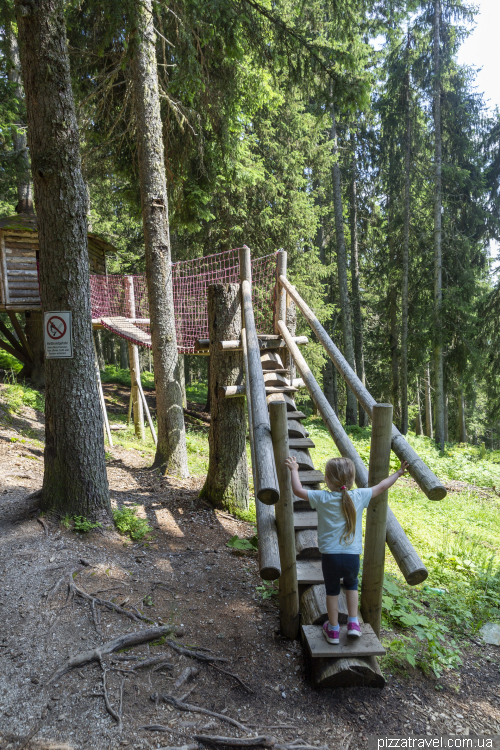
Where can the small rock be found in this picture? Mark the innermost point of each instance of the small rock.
(283, 694)
(61, 717)
(362, 717)
(35, 680)
(179, 632)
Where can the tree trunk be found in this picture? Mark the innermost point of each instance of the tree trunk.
(99, 350)
(405, 268)
(418, 418)
(226, 485)
(182, 376)
(393, 344)
(123, 354)
(24, 194)
(345, 303)
(75, 480)
(171, 453)
(446, 417)
(428, 404)
(438, 288)
(34, 334)
(356, 299)
(462, 430)
(206, 408)
(330, 385)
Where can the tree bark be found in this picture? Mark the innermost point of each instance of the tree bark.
(34, 333)
(123, 355)
(356, 298)
(438, 286)
(345, 302)
(428, 404)
(330, 385)
(75, 480)
(19, 139)
(418, 418)
(226, 485)
(171, 452)
(405, 267)
(393, 345)
(99, 350)
(462, 430)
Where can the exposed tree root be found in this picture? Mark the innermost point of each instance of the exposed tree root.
(136, 616)
(96, 654)
(185, 675)
(260, 741)
(234, 676)
(194, 654)
(166, 698)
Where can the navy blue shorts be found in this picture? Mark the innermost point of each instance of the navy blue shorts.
(340, 566)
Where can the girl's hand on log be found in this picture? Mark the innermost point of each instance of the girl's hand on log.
(292, 464)
(402, 469)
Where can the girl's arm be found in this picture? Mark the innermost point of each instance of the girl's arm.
(386, 483)
(297, 488)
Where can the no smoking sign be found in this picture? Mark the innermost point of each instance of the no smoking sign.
(58, 337)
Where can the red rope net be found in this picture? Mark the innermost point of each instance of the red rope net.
(117, 300)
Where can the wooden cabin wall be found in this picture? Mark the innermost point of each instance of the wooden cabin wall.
(19, 251)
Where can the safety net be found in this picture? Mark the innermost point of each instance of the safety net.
(120, 303)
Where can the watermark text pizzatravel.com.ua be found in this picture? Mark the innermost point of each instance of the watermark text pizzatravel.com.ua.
(381, 743)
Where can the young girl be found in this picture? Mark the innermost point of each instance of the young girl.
(340, 511)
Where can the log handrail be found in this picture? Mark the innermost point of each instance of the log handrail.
(400, 546)
(267, 488)
(267, 534)
(424, 477)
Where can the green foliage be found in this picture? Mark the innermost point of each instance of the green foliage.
(129, 524)
(82, 525)
(243, 544)
(267, 590)
(433, 650)
(16, 395)
(113, 374)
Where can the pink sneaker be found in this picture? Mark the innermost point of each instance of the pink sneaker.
(331, 635)
(353, 629)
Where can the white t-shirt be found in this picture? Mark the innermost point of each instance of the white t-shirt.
(332, 523)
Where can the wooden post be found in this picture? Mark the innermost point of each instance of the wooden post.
(265, 471)
(148, 413)
(425, 478)
(406, 557)
(20, 333)
(135, 374)
(226, 485)
(372, 583)
(288, 587)
(101, 399)
(269, 558)
(279, 312)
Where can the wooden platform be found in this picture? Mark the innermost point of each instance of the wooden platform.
(306, 519)
(309, 572)
(367, 645)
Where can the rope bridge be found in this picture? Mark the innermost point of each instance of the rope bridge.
(120, 303)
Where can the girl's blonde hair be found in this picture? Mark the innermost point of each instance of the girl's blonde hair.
(339, 476)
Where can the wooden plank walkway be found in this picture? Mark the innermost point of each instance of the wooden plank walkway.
(311, 477)
(306, 519)
(309, 572)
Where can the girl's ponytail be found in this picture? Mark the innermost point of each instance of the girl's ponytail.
(350, 517)
(339, 476)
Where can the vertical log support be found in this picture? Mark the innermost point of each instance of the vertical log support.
(135, 374)
(265, 470)
(279, 312)
(288, 587)
(226, 485)
(376, 518)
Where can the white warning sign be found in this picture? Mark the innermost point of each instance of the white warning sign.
(58, 336)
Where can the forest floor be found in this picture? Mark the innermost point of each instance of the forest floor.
(182, 575)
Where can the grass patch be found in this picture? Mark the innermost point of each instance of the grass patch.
(113, 374)
(197, 393)
(8, 362)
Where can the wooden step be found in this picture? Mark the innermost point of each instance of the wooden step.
(367, 645)
(295, 415)
(309, 572)
(313, 606)
(300, 443)
(305, 520)
(290, 403)
(311, 477)
(296, 430)
(303, 459)
(281, 389)
(306, 545)
(300, 504)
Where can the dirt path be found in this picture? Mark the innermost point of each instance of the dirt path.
(189, 579)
